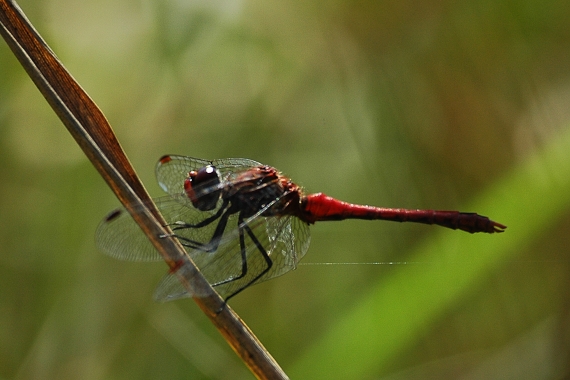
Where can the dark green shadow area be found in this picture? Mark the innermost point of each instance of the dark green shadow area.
(400, 307)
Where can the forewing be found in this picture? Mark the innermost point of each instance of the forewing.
(120, 237)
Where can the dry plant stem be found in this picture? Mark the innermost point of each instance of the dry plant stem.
(92, 132)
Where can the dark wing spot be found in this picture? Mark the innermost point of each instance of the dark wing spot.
(113, 215)
(165, 159)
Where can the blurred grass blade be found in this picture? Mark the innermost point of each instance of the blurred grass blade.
(92, 132)
(395, 313)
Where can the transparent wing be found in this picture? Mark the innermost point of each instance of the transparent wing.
(120, 237)
(172, 170)
(284, 239)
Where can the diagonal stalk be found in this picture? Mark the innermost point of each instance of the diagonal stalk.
(94, 135)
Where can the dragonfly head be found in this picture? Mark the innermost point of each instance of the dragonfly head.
(203, 187)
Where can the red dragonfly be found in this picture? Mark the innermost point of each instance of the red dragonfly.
(242, 222)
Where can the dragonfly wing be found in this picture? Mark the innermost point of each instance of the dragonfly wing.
(120, 237)
(289, 239)
(169, 289)
(284, 239)
(217, 266)
(172, 170)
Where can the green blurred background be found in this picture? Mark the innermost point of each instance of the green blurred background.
(432, 104)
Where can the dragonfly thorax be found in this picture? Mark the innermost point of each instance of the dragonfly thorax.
(260, 188)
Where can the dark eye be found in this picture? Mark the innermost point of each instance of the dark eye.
(203, 187)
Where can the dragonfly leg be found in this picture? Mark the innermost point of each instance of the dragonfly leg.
(183, 225)
(214, 242)
(263, 252)
(243, 259)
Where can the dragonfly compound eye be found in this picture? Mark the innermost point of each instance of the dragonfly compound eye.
(203, 187)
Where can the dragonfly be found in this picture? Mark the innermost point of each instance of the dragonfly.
(243, 222)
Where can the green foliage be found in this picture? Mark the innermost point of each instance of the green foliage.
(396, 104)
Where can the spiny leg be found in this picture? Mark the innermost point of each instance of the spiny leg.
(265, 256)
(243, 254)
(214, 242)
(182, 225)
